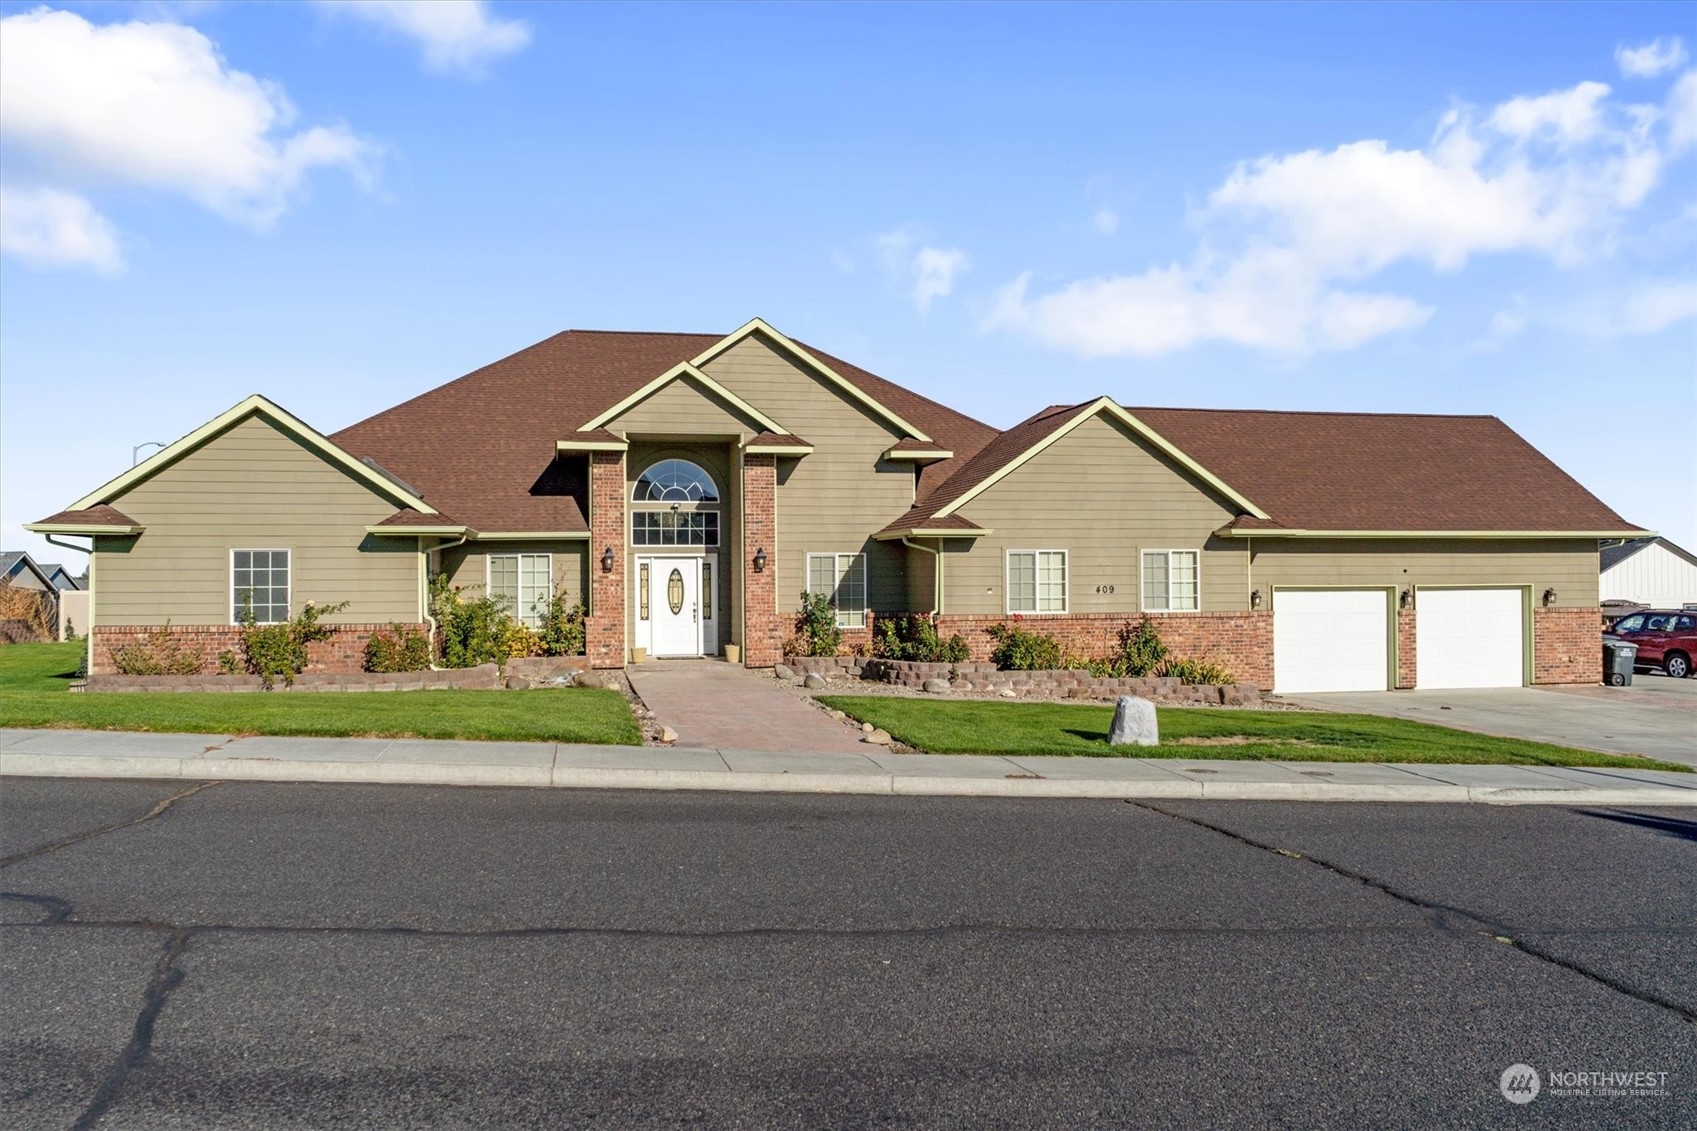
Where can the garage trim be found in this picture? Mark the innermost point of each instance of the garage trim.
(1390, 592)
(1528, 660)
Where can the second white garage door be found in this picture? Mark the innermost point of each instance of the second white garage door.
(1469, 638)
(1331, 640)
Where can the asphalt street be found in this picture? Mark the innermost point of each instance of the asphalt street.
(302, 956)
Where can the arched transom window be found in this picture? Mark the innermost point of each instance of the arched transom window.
(675, 503)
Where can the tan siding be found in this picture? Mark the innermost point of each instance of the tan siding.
(254, 487)
(1570, 567)
(685, 407)
(468, 565)
(921, 579)
(834, 500)
(1104, 495)
(716, 460)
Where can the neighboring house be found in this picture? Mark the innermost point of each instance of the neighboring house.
(60, 577)
(73, 599)
(1650, 573)
(687, 488)
(31, 600)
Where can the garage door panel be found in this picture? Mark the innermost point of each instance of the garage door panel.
(1469, 638)
(1331, 640)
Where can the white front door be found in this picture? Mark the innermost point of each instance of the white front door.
(674, 596)
(1469, 638)
(1331, 640)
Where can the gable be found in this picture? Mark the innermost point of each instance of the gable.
(1101, 475)
(809, 404)
(687, 406)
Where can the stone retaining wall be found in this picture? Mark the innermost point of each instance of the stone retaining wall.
(983, 676)
(483, 678)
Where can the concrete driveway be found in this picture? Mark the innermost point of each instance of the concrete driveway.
(1656, 716)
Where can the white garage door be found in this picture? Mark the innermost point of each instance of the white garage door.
(1331, 640)
(1469, 638)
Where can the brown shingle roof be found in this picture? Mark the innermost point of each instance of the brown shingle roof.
(482, 447)
(101, 514)
(773, 440)
(406, 516)
(1377, 471)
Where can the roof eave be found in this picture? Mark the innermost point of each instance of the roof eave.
(1290, 532)
(399, 530)
(590, 445)
(82, 528)
(931, 532)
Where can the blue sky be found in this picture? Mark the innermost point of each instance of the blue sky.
(1470, 209)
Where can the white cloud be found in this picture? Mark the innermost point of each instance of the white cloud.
(154, 105)
(45, 227)
(1651, 59)
(457, 36)
(1286, 238)
(1653, 306)
(930, 271)
(1106, 221)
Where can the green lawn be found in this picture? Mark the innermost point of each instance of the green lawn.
(33, 679)
(978, 727)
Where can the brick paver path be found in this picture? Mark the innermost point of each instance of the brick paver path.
(712, 703)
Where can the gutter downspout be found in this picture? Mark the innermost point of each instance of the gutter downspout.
(936, 572)
(88, 655)
(424, 581)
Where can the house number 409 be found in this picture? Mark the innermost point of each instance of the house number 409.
(1104, 589)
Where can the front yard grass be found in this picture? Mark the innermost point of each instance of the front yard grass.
(33, 679)
(980, 727)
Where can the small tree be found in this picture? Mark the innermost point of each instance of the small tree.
(270, 651)
(816, 631)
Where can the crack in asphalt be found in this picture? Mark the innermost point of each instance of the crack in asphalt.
(167, 976)
(1437, 913)
(77, 838)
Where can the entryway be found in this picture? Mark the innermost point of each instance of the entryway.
(676, 615)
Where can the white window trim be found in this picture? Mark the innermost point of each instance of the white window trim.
(865, 593)
(1037, 584)
(230, 591)
(489, 583)
(1143, 588)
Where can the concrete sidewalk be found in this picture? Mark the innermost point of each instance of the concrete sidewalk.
(115, 754)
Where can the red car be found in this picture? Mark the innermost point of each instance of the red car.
(1666, 640)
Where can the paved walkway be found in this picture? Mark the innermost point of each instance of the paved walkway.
(203, 757)
(1592, 718)
(712, 703)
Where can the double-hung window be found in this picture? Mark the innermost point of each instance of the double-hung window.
(841, 577)
(525, 581)
(1037, 581)
(1172, 581)
(259, 583)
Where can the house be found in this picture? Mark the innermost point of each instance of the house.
(23, 572)
(60, 577)
(687, 488)
(30, 602)
(1645, 573)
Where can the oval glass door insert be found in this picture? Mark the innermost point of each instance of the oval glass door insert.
(675, 592)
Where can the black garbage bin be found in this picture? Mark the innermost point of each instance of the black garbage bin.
(1618, 658)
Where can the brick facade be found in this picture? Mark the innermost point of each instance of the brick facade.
(764, 628)
(1567, 645)
(1243, 642)
(604, 627)
(1406, 673)
(343, 652)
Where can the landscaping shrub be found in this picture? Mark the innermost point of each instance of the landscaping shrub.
(270, 651)
(401, 649)
(481, 630)
(562, 631)
(157, 653)
(816, 631)
(915, 638)
(1140, 652)
(1195, 671)
(1019, 649)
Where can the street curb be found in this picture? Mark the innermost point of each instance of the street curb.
(895, 784)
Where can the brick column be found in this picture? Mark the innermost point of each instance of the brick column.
(604, 628)
(763, 627)
(1406, 674)
(1567, 645)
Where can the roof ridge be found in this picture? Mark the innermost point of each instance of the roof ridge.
(1315, 412)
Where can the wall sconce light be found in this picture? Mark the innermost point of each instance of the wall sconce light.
(1549, 597)
(1406, 600)
(1255, 599)
(760, 560)
(607, 560)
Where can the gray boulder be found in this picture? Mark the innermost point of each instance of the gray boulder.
(814, 681)
(936, 686)
(1134, 723)
(877, 738)
(782, 671)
